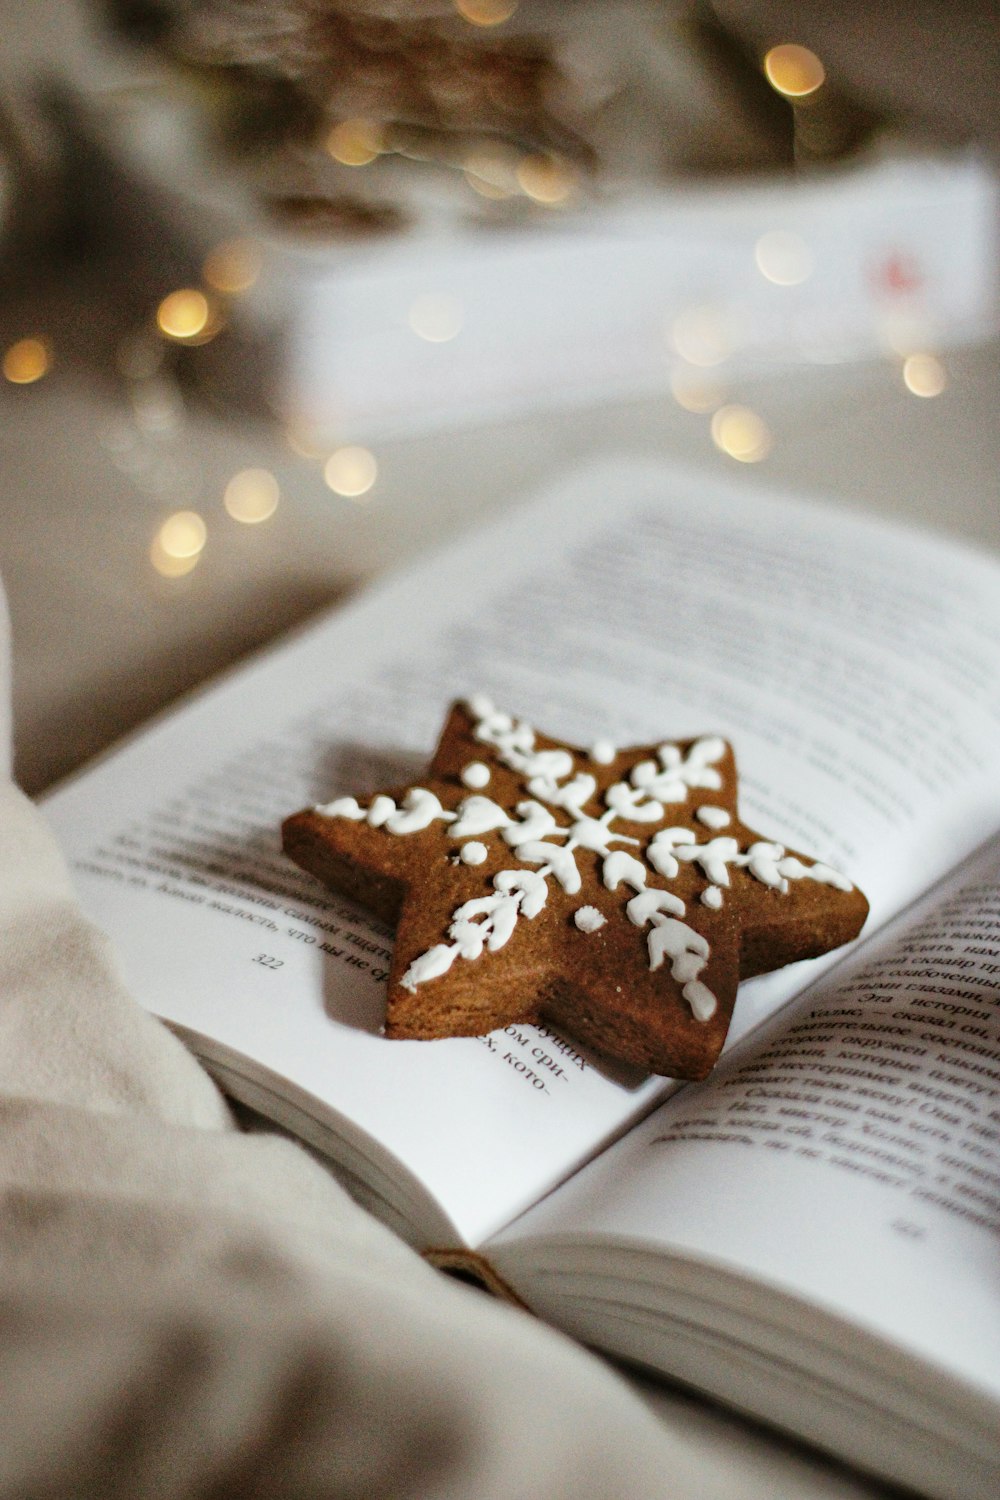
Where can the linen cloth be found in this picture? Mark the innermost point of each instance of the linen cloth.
(187, 1310)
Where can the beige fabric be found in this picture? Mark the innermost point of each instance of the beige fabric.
(186, 1310)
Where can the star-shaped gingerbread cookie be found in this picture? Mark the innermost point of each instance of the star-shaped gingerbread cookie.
(613, 894)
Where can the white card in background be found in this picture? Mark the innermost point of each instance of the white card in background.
(897, 256)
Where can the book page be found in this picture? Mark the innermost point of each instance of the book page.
(855, 668)
(849, 1154)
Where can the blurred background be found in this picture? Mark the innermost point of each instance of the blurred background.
(293, 289)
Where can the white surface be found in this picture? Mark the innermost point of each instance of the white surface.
(892, 251)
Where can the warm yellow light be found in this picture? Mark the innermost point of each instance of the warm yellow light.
(183, 314)
(491, 175)
(436, 317)
(233, 266)
(171, 567)
(27, 361)
(486, 12)
(783, 258)
(794, 71)
(924, 375)
(694, 392)
(741, 433)
(354, 143)
(182, 535)
(546, 179)
(702, 336)
(252, 496)
(350, 471)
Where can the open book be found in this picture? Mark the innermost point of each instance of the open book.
(813, 1234)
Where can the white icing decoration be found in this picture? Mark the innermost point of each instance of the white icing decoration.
(627, 802)
(677, 774)
(342, 807)
(487, 922)
(557, 862)
(531, 885)
(418, 811)
(477, 815)
(714, 857)
(793, 869)
(641, 908)
(688, 952)
(620, 866)
(660, 849)
(536, 823)
(380, 810)
(430, 965)
(571, 797)
(765, 861)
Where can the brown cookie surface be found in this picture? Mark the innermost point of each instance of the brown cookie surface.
(613, 894)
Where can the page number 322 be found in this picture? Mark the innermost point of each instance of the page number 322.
(268, 962)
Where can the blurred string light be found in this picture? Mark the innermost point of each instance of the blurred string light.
(492, 174)
(436, 317)
(355, 143)
(783, 258)
(924, 375)
(350, 471)
(187, 316)
(486, 12)
(233, 266)
(794, 71)
(27, 361)
(546, 179)
(178, 545)
(741, 433)
(252, 496)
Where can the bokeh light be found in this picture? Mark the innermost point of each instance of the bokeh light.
(252, 496)
(741, 433)
(188, 317)
(178, 544)
(183, 534)
(486, 12)
(354, 143)
(794, 71)
(492, 174)
(350, 471)
(924, 375)
(546, 179)
(27, 361)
